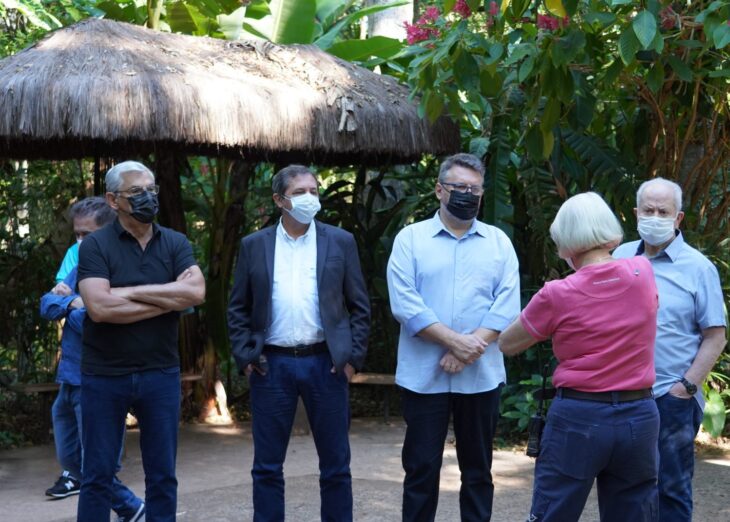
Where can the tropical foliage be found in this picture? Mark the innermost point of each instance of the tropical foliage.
(574, 95)
(557, 96)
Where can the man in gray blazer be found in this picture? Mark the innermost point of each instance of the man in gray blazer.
(298, 320)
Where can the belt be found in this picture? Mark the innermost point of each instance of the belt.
(299, 350)
(609, 396)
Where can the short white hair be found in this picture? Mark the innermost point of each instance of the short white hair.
(677, 190)
(585, 222)
(113, 179)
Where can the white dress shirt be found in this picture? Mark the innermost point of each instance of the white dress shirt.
(295, 315)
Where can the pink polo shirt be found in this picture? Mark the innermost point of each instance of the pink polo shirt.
(602, 320)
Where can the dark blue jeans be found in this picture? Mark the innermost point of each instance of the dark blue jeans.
(105, 400)
(274, 398)
(67, 429)
(427, 420)
(615, 443)
(680, 420)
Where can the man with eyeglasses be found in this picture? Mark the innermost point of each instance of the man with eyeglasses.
(454, 286)
(299, 319)
(135, 278)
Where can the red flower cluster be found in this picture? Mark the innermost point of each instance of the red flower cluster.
(423, 29)
(668, 18)
(551, 23)
(462, 8)
(492, 13)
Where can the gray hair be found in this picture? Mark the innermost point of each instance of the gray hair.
(468, 161)
(96, 207)
(113, 179)
(677, 190)
(280, 181)
(585, 222)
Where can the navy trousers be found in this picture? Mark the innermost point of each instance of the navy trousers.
(427, 420)
(274, 398)
(105, 400)
(680, 420)
(614, 443)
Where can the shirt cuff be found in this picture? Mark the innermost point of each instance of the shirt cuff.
(420, 321)
(495, 322)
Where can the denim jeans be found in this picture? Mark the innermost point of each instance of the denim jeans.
(614, 443)
(680, 420)
(274, 399)
(66, 413)
(154, 396)
(427, 423)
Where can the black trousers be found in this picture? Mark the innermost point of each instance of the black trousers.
(427, 419)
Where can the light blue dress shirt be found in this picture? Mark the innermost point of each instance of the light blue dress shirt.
(690, 300)
(464, 283)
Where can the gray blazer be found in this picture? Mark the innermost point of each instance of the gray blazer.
(343, 300)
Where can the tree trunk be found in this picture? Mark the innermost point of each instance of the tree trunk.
(227, 220)
(389, 22)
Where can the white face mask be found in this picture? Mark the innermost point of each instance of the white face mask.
(656, 230)
(304, 208)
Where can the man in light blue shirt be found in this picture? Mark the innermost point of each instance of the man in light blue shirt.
(690, 336)
(454, 285)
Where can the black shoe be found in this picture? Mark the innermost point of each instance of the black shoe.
(65, 486)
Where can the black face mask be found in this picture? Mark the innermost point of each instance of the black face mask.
(463, 205)
(144, 207)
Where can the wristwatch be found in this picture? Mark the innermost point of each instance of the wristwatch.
(689, 386)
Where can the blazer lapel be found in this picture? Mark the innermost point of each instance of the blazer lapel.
(269, 250)
(322, 243)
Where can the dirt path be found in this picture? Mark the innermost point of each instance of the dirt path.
(215, 481)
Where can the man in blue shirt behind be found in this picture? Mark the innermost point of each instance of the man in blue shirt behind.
(64, 302)
(454, 286)
(690, 336)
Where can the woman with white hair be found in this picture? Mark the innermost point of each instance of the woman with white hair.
(603, 424)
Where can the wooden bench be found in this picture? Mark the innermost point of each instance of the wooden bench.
(377, 379)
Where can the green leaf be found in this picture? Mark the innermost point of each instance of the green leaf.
(714, 417)
(327, 40)
(434, 106)
(645, 28)
(292, 21)
(449, 5)
(720, 73)
(466, 71)
(479, 146)
(473, 4)
(565, 49)
(359, 50)
(495, 53)
(628, 45)
(490, 84)
(721, 35)
(655, 78)
(548, 142)
(186, 18)
(602, 19)
(584, 109)
(680, 68)
(231, 25)
(534, 143)
(621, 2)
(550, 115)
(525, 69)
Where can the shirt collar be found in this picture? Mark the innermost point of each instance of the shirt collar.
(121, 231)
(437, 226)
(672, 250)
(281, 231)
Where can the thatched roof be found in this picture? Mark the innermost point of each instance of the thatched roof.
(110, 89)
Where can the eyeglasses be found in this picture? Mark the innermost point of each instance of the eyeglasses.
(477, 190)
(137, 191)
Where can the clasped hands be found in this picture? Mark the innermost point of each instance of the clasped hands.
(464, 349)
